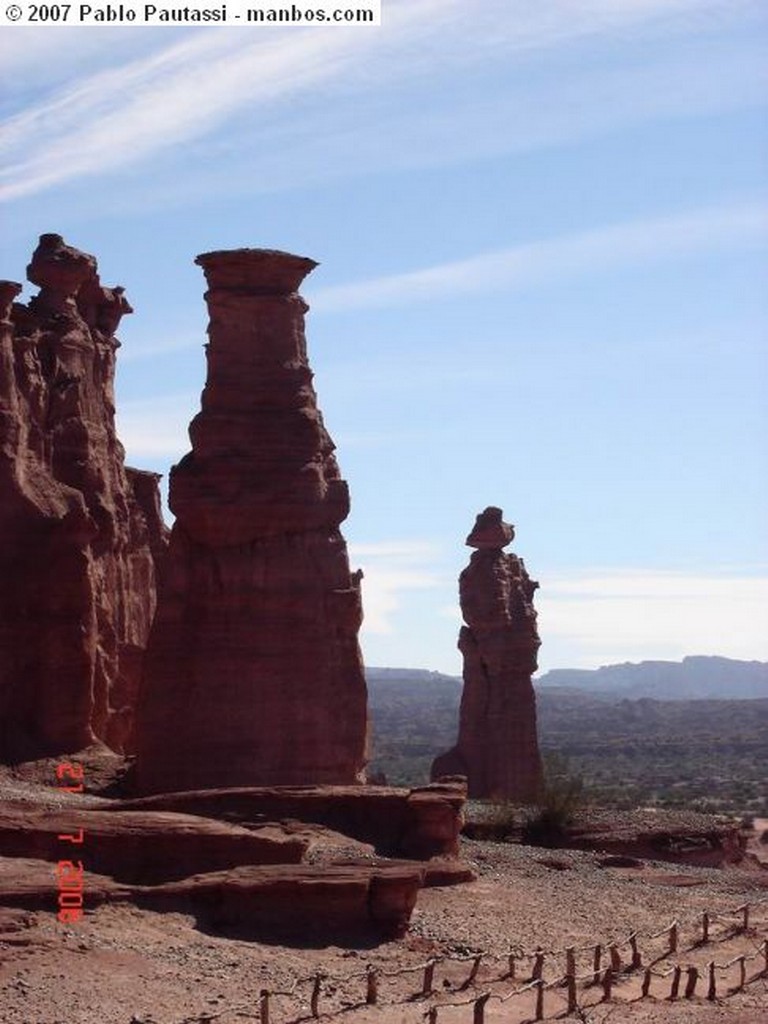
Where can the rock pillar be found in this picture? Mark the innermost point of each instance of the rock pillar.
(253, 674)
(79, 537)
(497, 748)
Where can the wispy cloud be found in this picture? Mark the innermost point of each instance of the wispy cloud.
(390, 569)
(119, 116)
(156, 428)
(532, 263)
(631, 615)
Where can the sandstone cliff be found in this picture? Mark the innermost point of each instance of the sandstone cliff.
(80, 533)
(497, 747)
(253, 674)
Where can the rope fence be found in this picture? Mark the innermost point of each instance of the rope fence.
(536, 972)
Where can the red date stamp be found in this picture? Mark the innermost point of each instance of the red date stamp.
(69, 873)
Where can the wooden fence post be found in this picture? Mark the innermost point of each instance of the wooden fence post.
(598, 955)
(765, 956)
(314, 1002)
(637, 960)
(704, 928)
(473, 972)
(371, 987)
(647, 982)
(673, 936)
(511, 966)
(712, 982)
(539, 1000)
(745, 917)
(264, 1006)
(607, 984)
(538, 965)
(571, 983)
(742, 971)
(613, 950)
(429, 974)
(570, 962)
(675, 989)
(432, 1015)
(478, 1017)
(690, 985)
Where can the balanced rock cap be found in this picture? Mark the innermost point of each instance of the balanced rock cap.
(266, 271)
(490, 530)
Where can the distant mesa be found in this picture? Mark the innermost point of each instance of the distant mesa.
(497, 747)
(82, 534)
(253, 654)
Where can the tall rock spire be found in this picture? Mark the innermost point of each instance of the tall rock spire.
(80, 533)
(497, 748)
(253, 672)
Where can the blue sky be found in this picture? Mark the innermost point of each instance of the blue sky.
(542, 234)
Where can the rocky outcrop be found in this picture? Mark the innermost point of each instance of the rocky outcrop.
(80, 534)
(421, 823)
(497, 747)
(292, 902)
(253, 674)
(144, 848)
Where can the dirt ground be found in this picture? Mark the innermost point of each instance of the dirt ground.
(126, 966)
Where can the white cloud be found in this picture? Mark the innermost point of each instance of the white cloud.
(390, 568)
(124, 113)
(156, 428)
(532, 263)
(631, 615)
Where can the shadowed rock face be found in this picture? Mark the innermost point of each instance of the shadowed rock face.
(80, 533)
(497, 748)
(253, 673)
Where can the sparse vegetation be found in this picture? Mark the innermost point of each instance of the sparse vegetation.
(562, 793)
(707, 755)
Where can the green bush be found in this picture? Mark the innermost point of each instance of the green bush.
(562, 794)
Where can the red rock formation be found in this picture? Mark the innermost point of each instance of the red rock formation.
(421, 823)
(302, 903)
(143, 847)
(253, 673)
(497, 748)
(79, 534)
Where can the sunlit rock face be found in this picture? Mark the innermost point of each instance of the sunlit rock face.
(81, 534)
(497, 748)
(253, 674)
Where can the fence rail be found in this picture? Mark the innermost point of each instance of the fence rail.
(608, 968)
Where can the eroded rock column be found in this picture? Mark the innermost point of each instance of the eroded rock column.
(80, 533)
(497, 748)
(253, 674)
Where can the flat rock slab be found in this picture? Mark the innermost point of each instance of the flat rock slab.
(271, 902)
(419, 823)
(142, 847)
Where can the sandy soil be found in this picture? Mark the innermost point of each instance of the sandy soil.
(124, 966)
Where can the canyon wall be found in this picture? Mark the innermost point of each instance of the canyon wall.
(80, 533)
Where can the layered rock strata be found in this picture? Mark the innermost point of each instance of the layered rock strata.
(253, 674)
(143, 848)
(300, 903)
(421, 823)
(497, 748)
(80, 534)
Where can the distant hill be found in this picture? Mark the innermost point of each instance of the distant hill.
(677, 748)
(694, 678)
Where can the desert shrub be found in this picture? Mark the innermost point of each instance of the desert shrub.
(562, 794)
